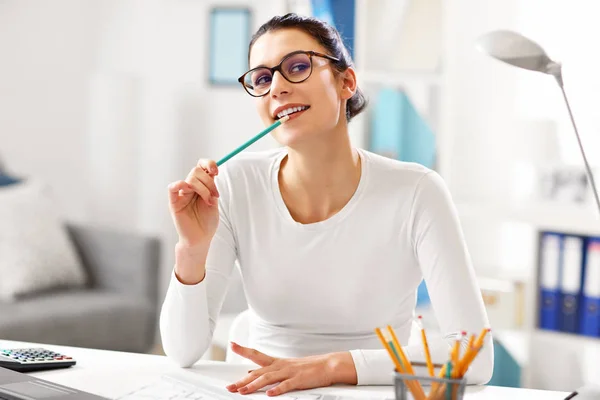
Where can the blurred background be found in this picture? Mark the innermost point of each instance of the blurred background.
(103, 103)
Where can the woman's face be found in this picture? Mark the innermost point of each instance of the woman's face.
(323, 92)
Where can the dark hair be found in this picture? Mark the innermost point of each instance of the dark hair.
(329, 38)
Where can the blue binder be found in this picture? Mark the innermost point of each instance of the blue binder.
(570, 283)
(322, 9)
(550, 261)
(590, 301)
(340, 14)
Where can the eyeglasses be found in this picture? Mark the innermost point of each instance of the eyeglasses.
(296, 67)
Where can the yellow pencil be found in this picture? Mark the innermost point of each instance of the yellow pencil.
(396, 362)
(435, 386)
(481, 338)
(426, 347)
(471, 341)
(411, 384)
(472, 352)
(456, 354)
(468, 352)
(403, 357)
(463, 364)
(405, 361)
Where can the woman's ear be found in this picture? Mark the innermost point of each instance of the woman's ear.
(349, 83)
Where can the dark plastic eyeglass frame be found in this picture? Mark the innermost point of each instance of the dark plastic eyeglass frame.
(310, 54)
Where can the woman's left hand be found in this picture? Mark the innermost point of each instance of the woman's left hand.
(293, 373)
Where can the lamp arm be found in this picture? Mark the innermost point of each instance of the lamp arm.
(557, 74)
(555, 69)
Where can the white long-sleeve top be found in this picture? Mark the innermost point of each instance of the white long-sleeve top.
(324, 287)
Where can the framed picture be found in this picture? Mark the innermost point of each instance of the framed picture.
(229, 38)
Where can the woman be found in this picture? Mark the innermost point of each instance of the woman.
(332, 241)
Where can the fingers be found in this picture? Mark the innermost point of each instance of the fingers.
(199, 180)
(210, 166)
(253, 355)
(286, 386)
(247, 379)
(176, 187)
(266, 379)
(196, 178)
(206, 179)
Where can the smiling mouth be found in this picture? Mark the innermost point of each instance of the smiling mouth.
(291, 111)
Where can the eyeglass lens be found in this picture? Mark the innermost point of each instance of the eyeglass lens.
(295, 68)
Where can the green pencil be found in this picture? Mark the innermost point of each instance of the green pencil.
(254, 139)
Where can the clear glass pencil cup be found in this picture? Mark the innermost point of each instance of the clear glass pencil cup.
(434, 388)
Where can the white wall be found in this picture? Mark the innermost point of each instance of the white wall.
(108, 101)
(47, 51)
(568, 31)
(478, 103)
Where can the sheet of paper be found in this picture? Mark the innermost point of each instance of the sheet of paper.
(175, 387)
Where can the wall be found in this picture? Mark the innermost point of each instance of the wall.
(539, 96)
(107, 101)
(478, 102)
(47, 52)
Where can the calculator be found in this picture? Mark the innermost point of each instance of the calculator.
(33, 359)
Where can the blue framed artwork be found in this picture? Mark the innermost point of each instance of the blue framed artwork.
(229, 39)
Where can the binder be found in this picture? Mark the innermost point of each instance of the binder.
(550, 259)
(570, 283)
(590, 302)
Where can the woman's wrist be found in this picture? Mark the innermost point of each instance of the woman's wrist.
(342, 369)
(190, 262)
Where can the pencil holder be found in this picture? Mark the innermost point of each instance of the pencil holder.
(435, 388)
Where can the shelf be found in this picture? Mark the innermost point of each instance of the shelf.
(563, 219)
(516, 344)
(573, 357)
(582, 220)
(565, 339)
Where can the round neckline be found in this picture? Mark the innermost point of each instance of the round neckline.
(326, 223)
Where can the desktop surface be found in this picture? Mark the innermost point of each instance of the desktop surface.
(113, 374)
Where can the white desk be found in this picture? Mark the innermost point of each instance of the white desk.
(112, 374)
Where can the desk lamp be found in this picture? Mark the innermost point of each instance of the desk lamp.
(519, 51)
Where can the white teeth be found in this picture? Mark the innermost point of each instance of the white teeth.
(290, 110)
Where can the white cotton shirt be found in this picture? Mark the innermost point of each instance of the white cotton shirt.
(324, 287)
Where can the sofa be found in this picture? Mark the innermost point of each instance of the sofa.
(116, 310)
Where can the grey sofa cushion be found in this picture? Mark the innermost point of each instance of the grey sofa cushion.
(82, 318)
(35, 250)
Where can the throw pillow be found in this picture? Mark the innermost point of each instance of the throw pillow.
(36, 253)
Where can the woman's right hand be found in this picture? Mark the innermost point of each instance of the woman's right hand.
(194, 205)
